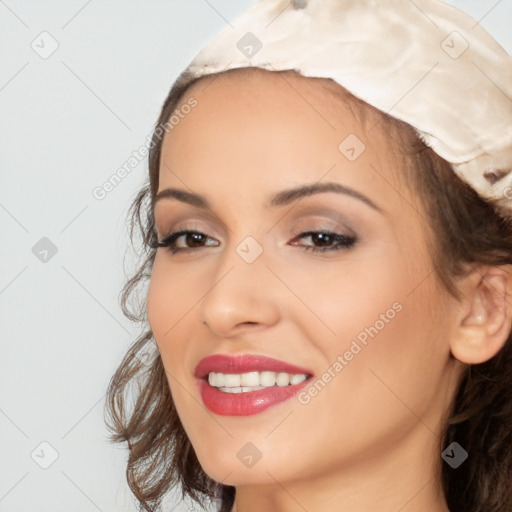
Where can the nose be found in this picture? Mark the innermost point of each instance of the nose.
(242, 296)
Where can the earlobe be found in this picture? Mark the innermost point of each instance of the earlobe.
(486, 315)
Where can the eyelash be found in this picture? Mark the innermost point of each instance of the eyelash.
(342, 242)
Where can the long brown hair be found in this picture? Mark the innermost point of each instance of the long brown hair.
(467, 230)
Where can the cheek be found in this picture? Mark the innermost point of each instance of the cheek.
(173, 301)
(341, 300)
(158, 305)
(171, 296)
(167, 305)
(373, 324)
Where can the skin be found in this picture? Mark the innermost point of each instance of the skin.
(371, 438)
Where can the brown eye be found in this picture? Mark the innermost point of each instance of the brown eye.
(193, 239)
(326, 241)
(190, 239)
(322, 239)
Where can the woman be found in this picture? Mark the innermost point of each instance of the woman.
(329, 244)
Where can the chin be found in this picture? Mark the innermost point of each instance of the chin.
(228, 469)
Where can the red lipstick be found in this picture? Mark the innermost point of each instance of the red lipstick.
(250, 402)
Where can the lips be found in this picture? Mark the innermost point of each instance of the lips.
(244, 363)
(249, 402)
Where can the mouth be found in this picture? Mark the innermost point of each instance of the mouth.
(243, 385)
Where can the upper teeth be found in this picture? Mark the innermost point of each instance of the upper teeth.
(254, 379)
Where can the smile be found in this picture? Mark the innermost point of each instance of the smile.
(265, 383)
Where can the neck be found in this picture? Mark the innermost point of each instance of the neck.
(405, 478)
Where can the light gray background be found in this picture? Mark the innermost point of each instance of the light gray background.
(67, 123)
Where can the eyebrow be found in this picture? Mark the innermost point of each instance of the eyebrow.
(282, 198)
(287, 196)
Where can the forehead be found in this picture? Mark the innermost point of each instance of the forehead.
(290, 86)
(256, 101)
(276, 130)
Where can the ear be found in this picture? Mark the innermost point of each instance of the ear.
(485, 321)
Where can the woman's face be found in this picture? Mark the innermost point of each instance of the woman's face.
(368, 321)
